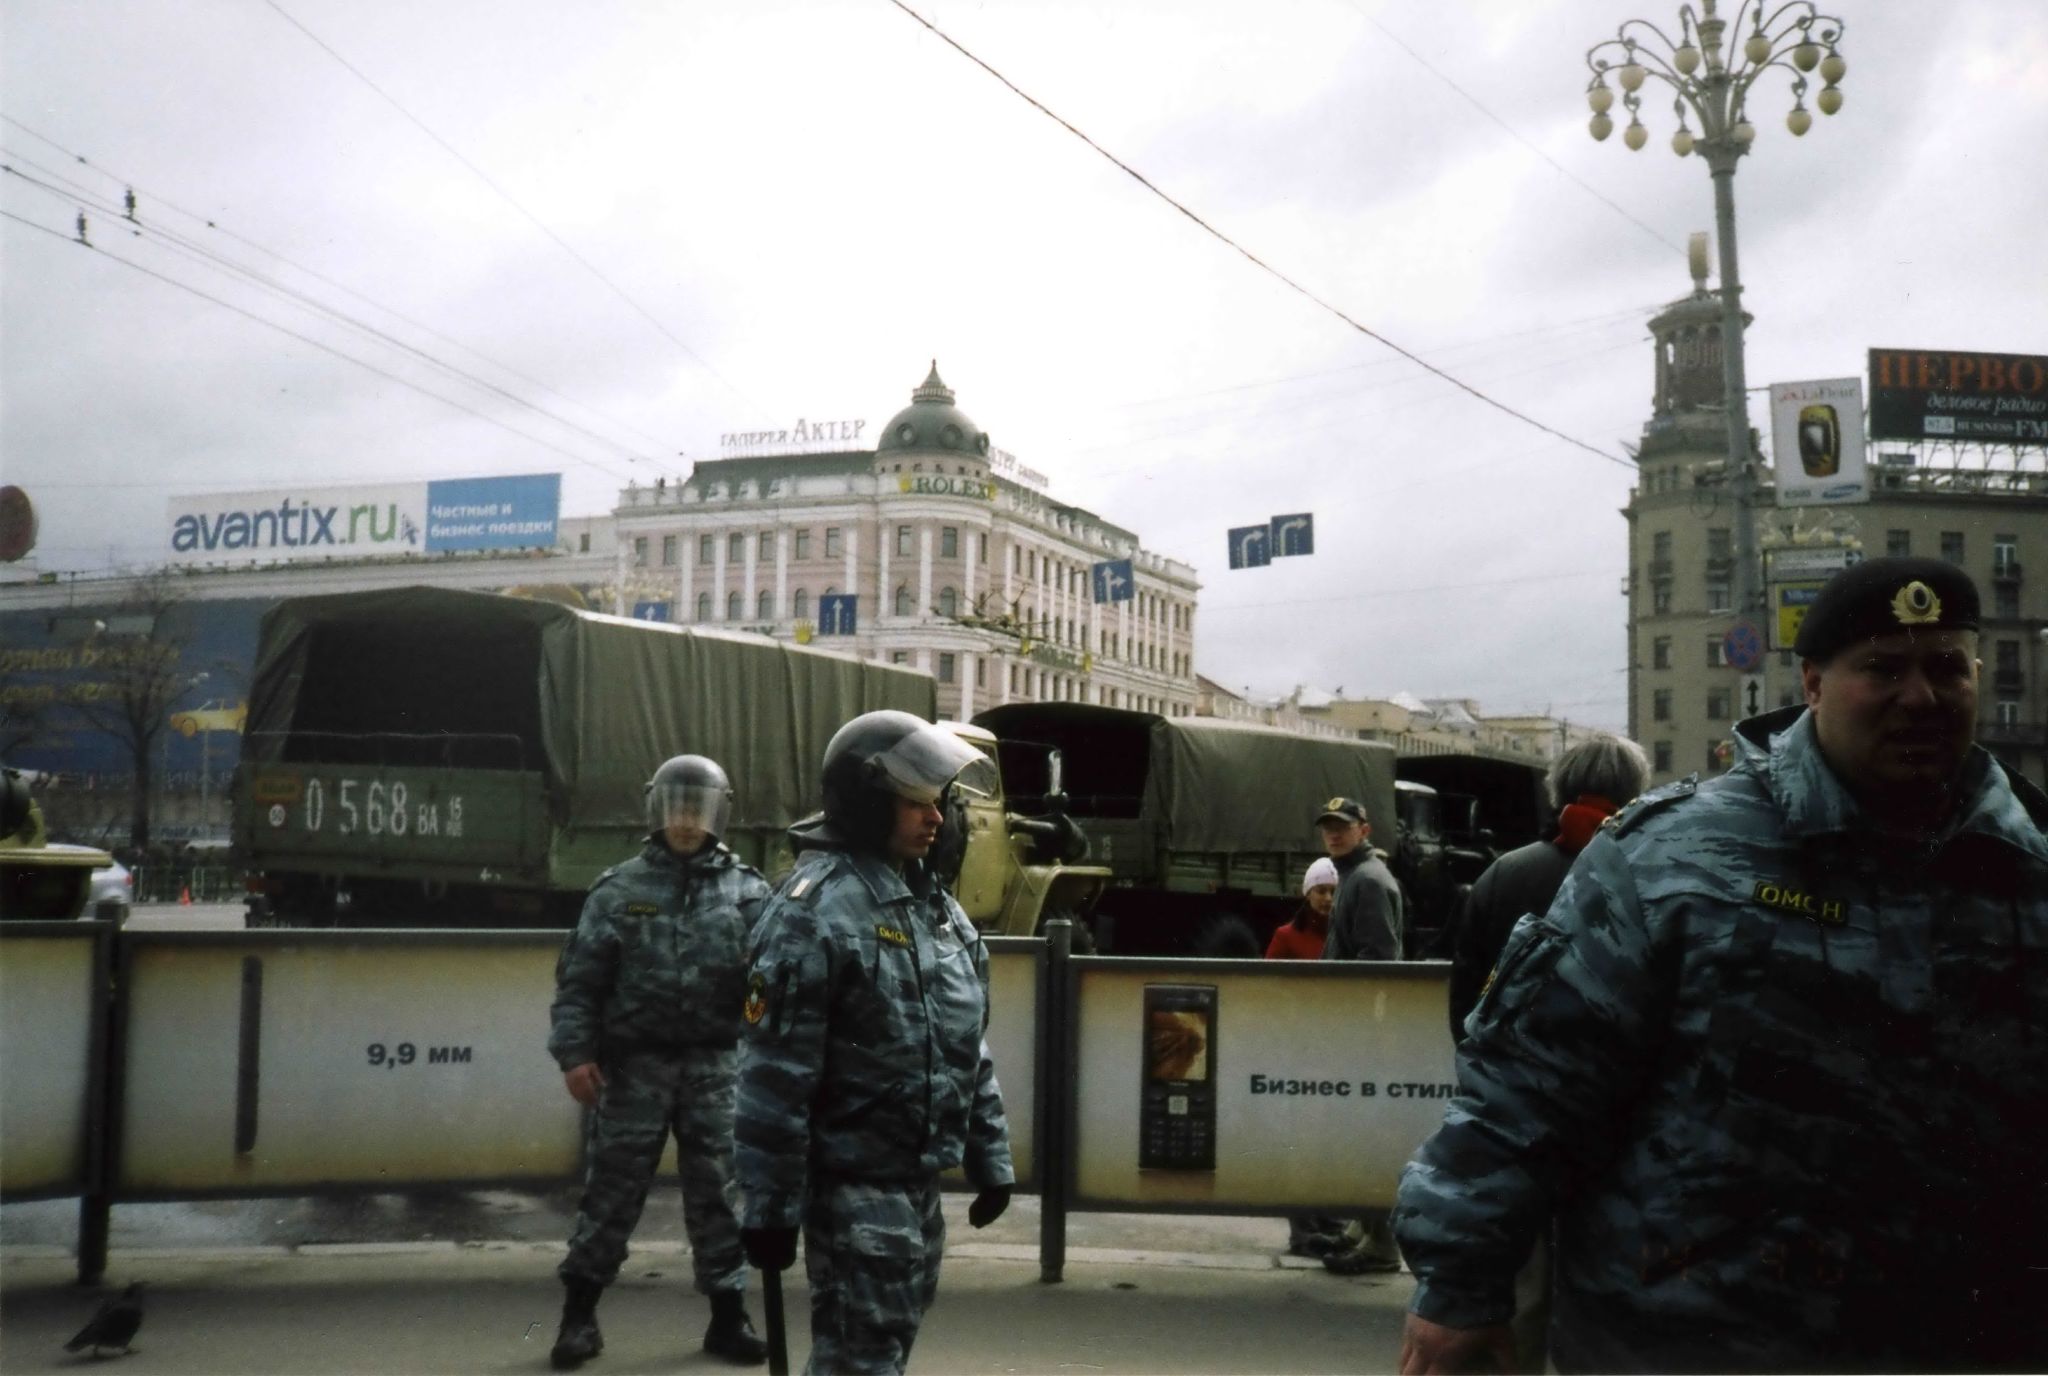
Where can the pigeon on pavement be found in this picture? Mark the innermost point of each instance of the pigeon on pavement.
(114, 1325)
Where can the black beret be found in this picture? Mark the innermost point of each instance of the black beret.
(1882, 596)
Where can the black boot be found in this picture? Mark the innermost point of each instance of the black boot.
(731, 1334)
(579, 1339)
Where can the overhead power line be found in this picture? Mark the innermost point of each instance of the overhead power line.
(1246, 253)
(513, 201)
(1513, 132)
(302, 338)
(153, 197)
(207, 258)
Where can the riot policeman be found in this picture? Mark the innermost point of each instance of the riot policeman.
(864, 1071)
(646, 1019)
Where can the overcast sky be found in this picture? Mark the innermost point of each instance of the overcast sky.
(658, 222)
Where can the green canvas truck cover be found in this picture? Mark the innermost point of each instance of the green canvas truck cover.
(591, 702)
(1207, 785)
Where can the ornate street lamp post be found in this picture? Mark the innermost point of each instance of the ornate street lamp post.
(1711, 68)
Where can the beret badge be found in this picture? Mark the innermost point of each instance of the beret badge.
(1916, 605)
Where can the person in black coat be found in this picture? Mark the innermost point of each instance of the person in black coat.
(1588, 784)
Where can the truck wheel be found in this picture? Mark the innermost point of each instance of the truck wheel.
(1225, 936)
(1084, 935)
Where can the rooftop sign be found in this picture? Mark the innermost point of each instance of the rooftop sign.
(365, 522)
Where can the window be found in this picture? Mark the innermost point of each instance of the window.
(800, 605)
(703, 606)
(1660, 652)
(1660, 757)
(831, 542)
(764, 607)
(735, 548)
(1718, 599)
(2008, 712)
(947, 667)
(583, 543)
(803, 545)
(732, 606)
(949, 542)
(1660, 547)
(2005, 554)
(2008, 660)
(1720, 545)
(899, 656)
(903, 600)
(2005, 601)
(1660, 705)
(904, 539)
(981, 672)
(1898, 544)
(640, 551)
(949, 603)
(1952, 546)
(1717, 652)
(764, 547)
(1660, 598)
(981, 549)
(1719, 704)
(668, 551)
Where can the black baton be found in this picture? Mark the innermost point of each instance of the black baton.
(778, 1342)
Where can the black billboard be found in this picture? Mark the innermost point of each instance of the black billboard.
(1944, 394)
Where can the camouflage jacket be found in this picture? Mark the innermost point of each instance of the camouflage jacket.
(659, 956)
(1780, 1082)
(864, 1055)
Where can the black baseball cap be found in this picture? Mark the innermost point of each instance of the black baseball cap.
(1343, 809)
(1884, 596)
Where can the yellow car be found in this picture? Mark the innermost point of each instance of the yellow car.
(190, 724)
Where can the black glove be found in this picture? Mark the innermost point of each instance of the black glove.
(988, 1206)
(770, 1249)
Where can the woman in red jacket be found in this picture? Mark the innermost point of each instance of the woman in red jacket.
(1302, 939)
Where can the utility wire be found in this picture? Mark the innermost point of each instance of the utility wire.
(196, 252)
(1253, 258)
(305, 339)
(156, 198)
(1513, 132)
(1380, 594)
(508, 198)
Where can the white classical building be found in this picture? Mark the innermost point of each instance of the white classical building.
(955, 557)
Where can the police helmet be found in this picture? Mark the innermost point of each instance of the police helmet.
(689, 788)
(879, 757)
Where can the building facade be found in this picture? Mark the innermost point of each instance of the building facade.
(956, 559)
(1981, 508)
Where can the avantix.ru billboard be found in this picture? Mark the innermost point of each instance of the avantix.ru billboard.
(365, 522)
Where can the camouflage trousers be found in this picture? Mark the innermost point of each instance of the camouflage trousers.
(871, 1254)
(646, 1097)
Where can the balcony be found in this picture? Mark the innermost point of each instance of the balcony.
(2012, 733)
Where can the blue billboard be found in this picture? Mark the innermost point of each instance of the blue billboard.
(493, 513)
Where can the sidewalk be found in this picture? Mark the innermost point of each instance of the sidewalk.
(443, 1307)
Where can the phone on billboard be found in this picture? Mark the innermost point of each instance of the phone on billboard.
(1820, 440)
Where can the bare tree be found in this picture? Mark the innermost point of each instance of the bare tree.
(134, 676)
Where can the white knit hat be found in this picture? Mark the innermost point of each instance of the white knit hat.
(1323, 871)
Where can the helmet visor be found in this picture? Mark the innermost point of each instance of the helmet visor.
(919, 766)
(700, 806)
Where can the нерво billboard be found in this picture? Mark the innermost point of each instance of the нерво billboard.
(1926, 394)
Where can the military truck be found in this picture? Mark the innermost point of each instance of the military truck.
(423, 757)
(37, 881)
(1206, 826)
(1458, 813)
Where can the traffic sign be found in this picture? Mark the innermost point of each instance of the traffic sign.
(650, 611)
(838, 613)
(1250, 547)
(1822, 562)
(1743, 646)
(1750, 701)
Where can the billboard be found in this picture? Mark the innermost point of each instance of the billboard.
(1817, 442)
(1944, 394)
(364, 522)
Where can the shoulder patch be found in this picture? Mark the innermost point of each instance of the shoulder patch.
(756, 1006)
(1650, 803)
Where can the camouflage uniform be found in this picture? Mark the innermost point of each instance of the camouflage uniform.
(649, 986)
(1782, 1081)
(863, 1075)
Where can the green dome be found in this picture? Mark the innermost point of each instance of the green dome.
(932, 424)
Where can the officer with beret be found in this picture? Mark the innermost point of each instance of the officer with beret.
(1775, 1062)
(646, 1022)
(864, 1072)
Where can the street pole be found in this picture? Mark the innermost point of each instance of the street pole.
(1741, 472)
